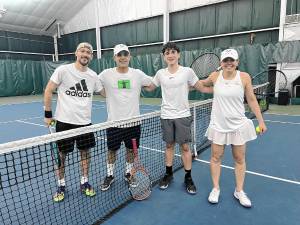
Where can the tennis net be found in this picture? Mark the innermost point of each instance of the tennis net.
(28, 178)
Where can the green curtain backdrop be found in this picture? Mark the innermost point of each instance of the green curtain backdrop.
(25, 77)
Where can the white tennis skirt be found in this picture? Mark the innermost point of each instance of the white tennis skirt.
(239, 137)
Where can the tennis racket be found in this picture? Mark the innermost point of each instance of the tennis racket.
(276, 79)
(205, 64)
(138, 174)
(53, 145)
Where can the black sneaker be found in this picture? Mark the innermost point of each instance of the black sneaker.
(107, 182)
(130, 180)
(190, 186)
(165, 181)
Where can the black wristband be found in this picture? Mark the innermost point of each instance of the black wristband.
(48, 114)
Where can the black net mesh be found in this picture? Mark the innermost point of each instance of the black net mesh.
(28, 179)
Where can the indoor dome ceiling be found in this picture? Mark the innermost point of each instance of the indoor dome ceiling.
(38, 16)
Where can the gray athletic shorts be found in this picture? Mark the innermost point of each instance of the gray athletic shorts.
(177, 130)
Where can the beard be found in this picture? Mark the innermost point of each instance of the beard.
(84, 63)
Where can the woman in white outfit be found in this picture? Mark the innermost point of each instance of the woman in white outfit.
(229, 125)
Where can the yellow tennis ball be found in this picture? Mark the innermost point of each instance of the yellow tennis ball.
(258, 129)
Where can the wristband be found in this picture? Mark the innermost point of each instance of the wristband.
(48, 114)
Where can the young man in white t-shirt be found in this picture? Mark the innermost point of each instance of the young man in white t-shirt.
(75, 84)
(122, 88)
(176, 120)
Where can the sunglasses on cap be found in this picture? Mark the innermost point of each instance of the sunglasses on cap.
(123, 53)
(228, 60)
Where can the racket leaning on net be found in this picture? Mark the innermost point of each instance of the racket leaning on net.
(140, 184)
(53, 145)
(276, 80)
(203, 66)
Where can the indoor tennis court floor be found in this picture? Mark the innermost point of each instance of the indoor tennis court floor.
(272, 181)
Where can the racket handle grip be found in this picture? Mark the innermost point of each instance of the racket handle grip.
(134, 145)
(52, 127)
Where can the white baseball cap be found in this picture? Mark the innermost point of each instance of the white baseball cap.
(229, 53)
(120, 47)
(85, 45)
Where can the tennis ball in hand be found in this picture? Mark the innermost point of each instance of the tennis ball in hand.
(257, 129)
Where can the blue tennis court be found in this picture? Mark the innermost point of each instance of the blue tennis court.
(272, 181)
(19, 121)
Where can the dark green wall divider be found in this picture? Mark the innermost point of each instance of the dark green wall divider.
(148, 30)
(24, 77)
(20, 42)
(292, 7)
(68, 42)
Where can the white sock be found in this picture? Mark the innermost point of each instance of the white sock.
(110, 169)
(61, 182)
(128, 167)
(84, 180)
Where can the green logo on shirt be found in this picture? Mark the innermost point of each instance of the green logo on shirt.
(123, 84)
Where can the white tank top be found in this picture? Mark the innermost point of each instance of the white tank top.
(228, 111)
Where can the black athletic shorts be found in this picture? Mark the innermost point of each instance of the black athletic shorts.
(115, 136)
(83, 142)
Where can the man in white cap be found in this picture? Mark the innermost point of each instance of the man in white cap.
(75, 84)
(122, 88)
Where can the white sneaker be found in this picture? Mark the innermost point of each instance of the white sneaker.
(214, 196)
(243, 198)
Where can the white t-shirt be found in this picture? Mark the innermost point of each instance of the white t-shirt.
(175, 90)
(123, 92)
(75, 94)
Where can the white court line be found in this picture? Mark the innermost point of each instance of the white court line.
(229, 167)
(150, 110)
(283, 122)
(276, 121)
(98, 107)
(12, 121)
(254, 173)
(284, 114)
(36, 124)
(25, 102)
(19, 103)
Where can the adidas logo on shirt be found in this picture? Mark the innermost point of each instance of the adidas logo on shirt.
(79, 90)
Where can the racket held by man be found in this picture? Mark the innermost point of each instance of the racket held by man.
(53, 145)
(139, 176)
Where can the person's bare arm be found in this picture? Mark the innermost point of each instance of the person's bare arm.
(252, 102)
(150, 88)
(102, 92)
(50, 88)
(206, 85)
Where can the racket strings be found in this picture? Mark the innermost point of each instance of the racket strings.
(277, 80)
(141, 185)
(205, 64)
